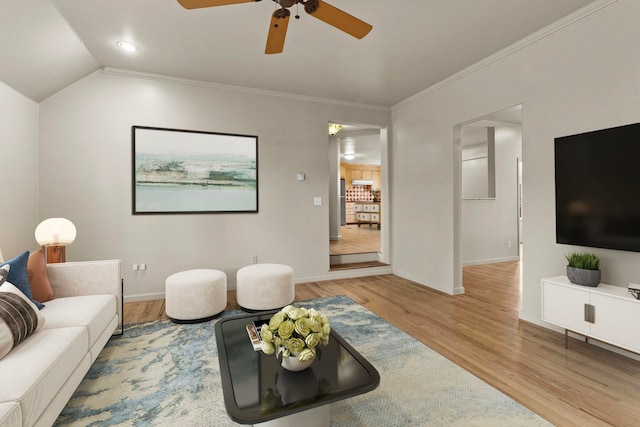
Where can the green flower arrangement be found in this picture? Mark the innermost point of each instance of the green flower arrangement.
(296, 331)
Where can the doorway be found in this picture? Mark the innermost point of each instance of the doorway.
(358, 235)
(488, 151)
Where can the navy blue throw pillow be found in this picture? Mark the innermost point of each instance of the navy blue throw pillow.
(19, 277)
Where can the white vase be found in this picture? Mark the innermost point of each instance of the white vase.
(292, 363)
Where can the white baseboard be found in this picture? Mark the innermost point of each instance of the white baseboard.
(331, 275)
(489, 261)
(419, 281)
(143, 297)
(522, 315)
(347, 274)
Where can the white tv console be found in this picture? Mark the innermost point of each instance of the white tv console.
(605, 313)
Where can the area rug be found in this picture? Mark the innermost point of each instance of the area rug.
(164, 374)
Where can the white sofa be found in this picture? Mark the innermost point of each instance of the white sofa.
(38, 377)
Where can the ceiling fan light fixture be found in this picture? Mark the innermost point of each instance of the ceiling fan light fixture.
(319, 9)
(334, 128)
(287, 3)
(127, 46)
(310, 6)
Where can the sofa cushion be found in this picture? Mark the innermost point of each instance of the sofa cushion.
(34, 371)
(10, 415)
(19, 318)
(38, 279)
(19, 277)
(95, 312)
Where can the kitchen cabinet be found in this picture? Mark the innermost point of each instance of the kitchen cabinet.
(377, 181)
(348, 178)
(355, 172)
(367, 172)
(368, 213)
(606, 313)
(361, 172)
(351, 212)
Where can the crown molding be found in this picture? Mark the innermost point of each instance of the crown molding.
(358, 133)
(240, 89)
(521, 44)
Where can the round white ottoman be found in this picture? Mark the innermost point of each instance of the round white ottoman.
(265, 286)
(194, 296)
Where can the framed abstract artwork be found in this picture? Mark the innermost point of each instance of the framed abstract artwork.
(178, 171)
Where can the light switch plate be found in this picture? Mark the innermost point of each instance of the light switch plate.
(317, 201)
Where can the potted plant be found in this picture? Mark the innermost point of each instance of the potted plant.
(295, 333)
(583, 269)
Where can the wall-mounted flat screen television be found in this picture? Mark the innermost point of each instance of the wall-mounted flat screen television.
(598, 188)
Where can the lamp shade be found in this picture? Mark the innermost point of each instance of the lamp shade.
(55, 232)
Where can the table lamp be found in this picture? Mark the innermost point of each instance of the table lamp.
(55, 234)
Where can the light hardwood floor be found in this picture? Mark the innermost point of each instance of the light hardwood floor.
(356, 240)
(480, 331)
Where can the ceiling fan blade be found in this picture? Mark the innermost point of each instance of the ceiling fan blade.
(341, 20)
(196, 4)
(277, 34)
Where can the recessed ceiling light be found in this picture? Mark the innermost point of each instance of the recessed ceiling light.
(127, 46)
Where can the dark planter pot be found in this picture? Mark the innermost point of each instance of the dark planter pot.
(583, 277)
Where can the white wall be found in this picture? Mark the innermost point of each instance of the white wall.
(475, 172)
(334, 189)
(582, 77)
(19, 165)
(488, 225)
(86, 176)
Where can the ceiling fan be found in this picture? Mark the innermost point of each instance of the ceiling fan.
(280, 18)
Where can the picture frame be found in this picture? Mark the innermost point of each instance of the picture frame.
(176, 171)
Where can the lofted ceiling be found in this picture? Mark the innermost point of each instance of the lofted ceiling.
(48, 44)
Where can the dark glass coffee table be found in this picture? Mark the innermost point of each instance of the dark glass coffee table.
(257, 390)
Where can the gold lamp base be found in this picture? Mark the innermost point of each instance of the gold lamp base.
(56, 254)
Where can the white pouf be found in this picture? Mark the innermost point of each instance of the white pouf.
(195, 295)
(265, 286)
